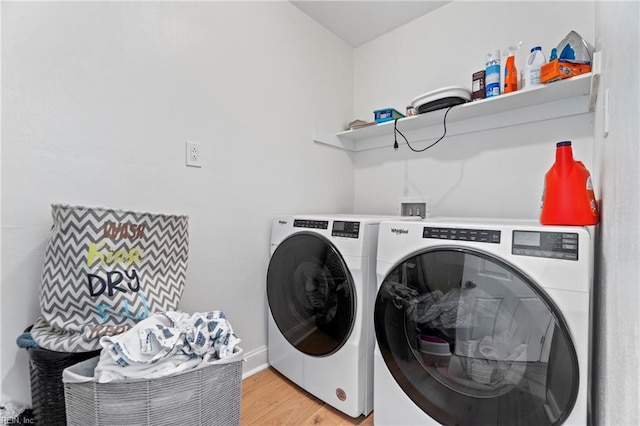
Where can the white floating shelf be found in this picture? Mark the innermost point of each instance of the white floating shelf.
(554, 100)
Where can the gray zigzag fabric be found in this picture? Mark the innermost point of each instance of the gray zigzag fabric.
(105, 270)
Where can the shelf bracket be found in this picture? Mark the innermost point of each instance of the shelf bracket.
(596, 69)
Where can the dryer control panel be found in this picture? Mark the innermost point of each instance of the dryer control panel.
(343, 228)
(553, 245)
(476, 235)
(315, 224)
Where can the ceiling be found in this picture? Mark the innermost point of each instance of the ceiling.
(358, 22)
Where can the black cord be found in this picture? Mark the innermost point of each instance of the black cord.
(395, 131)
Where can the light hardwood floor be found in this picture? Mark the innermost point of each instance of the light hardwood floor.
(268, 398)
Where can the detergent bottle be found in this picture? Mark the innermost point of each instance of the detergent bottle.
(568, 197)
(492, 74)
(531, 74)
(510, 70)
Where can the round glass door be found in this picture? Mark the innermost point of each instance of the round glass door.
(472, 340)
(311, 294)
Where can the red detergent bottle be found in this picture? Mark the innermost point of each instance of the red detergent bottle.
(568, 197)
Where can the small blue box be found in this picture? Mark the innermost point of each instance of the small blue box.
(386, 114)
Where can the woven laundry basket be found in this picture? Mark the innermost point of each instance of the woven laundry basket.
(207, 395)
(45, 371)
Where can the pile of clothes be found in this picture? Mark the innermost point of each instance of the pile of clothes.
(15, 414)
(166, 343)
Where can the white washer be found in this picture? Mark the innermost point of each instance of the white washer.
(321, 285)
(481, 321)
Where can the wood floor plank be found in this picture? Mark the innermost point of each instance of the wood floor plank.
(269, 398)
(263, 393)
(295, 411)
(328, 415)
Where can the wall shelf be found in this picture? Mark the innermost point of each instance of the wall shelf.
(554, 100)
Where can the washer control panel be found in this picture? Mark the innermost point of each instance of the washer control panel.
(314, 224)
(476, 235)
(343, 228)
(553, 245)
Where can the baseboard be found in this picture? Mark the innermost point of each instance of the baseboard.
(255, 361)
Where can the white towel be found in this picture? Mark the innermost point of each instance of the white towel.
(164, 344)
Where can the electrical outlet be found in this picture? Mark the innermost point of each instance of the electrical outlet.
(193, 154)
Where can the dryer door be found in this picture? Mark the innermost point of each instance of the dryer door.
(472, 340)
(311, 294)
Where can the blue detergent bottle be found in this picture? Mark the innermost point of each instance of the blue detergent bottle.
(492, 74)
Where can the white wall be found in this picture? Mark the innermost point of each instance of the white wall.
(98, 99)
(616, 346)
(496, 173)
(500, 173)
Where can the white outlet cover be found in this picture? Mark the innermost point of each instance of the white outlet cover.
(193, 152)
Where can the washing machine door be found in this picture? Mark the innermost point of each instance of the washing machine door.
(472, 340)
(311, 294)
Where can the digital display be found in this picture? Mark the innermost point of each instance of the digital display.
(525, 238)
(551, 245)
(345, 229)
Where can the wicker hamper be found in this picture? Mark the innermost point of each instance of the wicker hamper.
(47, 390)
(207, 395)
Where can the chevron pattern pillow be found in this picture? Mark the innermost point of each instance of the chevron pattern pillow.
(105, 270)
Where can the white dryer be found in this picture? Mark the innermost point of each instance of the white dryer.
(482, 322)
(321, 285)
